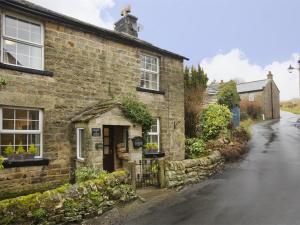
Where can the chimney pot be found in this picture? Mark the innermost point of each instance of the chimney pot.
(270, 76)
(128, 23)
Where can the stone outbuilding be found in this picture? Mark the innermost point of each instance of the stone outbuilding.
(263, 92)
(60, 73)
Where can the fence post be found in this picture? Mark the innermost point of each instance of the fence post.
(161, 173)
(132, 169)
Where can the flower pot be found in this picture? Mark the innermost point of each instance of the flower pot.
(29, 156)
(16, 157)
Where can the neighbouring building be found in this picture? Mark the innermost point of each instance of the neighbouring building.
(65, 79)
(264, 93)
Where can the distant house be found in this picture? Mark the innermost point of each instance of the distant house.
(210, 95)
(265, 93)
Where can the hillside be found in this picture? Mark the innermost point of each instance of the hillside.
(292, 106)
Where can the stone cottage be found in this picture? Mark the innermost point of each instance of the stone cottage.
(263, 92)
(65, 79)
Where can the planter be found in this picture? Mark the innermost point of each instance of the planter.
(20, 157)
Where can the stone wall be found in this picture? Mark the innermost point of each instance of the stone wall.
(69, 203)
(178, 173)
(88, 69)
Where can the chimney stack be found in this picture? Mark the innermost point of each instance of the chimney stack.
(128, 23)
(270, 76)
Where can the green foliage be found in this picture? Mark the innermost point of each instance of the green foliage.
(9, 150)
(1, 163)
(215, 119)
(195, 148)
(252, 109)
(137, 112)
(3, 82)
(228, 95)
(88, 173)
(151, 146)
(195, 83)
(20, 149)
(32, 149)
(39, 215)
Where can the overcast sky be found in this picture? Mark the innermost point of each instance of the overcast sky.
(229, 38)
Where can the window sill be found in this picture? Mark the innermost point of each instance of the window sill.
(149, 91)
(154, 154)
(25, 163)
(26, 70)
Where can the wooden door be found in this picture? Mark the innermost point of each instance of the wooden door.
(108, 148)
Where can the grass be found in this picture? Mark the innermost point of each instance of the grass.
(292, 106)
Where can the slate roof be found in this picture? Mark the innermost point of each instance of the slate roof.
(212, 89)
(37, 10)
(95, 111)
(252, 86)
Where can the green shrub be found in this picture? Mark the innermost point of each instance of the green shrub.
(253, 109)
(88, 173)
(195, 148)
(32, 149)
(215, 119)
(244, 116)
(228, 95)
(3, 82)
(1, 163)
(137, 112)
(20, 149)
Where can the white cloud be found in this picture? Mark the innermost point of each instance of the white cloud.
(235, 64)
(91, 11)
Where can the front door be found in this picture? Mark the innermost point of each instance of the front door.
(108, 148)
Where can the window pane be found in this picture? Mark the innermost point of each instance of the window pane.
(21, 139)
(153, 86)
(33, 115)
(10, 51)
(34, 139)
(11, 27)
(23, 49)
(154, 128)
(21, 124)
(33, 125)
(21, 114)
(24, 30)
(6, 139)
(36, 33)
(8, 124)
(23, 61)
(154, 139)
(8, 113)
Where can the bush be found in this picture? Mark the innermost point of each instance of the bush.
(253, 109)
(88, 173)
(195, 148)
(228, 95)
(244, 116)
(137, 112)
(215, 119)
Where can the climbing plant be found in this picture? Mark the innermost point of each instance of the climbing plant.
(3, 82)
(137, 112)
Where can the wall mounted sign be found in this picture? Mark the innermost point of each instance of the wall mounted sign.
(138, 142)
(96, 132)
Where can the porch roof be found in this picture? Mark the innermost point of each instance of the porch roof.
(95, 111)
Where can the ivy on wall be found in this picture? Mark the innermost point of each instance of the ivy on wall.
(3, 82)
(137, 112)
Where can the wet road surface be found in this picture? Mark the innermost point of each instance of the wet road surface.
(264, 188)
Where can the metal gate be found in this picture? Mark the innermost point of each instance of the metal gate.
(146, 172)
(236, 116)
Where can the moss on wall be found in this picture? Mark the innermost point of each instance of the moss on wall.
(68, 203)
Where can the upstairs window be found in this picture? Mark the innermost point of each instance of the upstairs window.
(251, 97)
(22, 42)
(149, 72)
(20, 127)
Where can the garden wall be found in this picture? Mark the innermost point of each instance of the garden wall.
(69, 203)
(190, 171)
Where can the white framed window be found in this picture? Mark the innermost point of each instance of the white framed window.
(153, 135)
(22, 42)
(80, 141)
(21, 127)
(149, 72)
(251, 97)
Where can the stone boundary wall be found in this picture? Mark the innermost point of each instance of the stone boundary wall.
(69, 203)
(178, 173)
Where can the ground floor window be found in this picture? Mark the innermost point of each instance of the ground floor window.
(20, 129)
(80, 148)
(153, 136)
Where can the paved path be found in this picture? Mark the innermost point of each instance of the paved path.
(262, 189)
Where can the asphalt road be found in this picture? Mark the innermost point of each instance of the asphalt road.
(264, 188)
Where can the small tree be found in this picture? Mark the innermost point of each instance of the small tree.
(228, 95)
(195, 83)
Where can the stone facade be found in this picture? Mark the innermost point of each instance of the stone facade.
(189, 171)
(268, 98)
(87, 69)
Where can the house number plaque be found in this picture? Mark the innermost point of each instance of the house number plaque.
(96, 132)
(138, 142)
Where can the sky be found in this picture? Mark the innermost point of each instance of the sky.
(230, 39)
